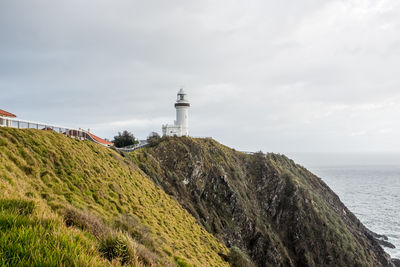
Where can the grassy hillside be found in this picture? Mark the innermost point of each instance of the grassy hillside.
(70, 202)
(270, 207)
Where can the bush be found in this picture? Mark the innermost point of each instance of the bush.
(238, 258)
(85, 221)
(117, 246)
(137, 231)
(153, 139)
(145, 256)
(114, 245)
(125, 139)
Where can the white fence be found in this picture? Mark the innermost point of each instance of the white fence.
(22, 124)
(142, 143)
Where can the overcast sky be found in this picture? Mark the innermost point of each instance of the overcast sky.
(281, 76)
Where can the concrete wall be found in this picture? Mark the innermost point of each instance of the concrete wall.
(172, 130)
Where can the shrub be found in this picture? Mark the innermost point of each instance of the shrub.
(259, 154)
(137, 231)
(153, 139)
(117, 246)
(85, 221)
(238, 258)
(145, 256)
(124, 139)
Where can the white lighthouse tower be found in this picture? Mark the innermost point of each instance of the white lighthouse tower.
(181, 124)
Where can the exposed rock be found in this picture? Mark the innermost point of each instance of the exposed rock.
(379, 236)
(381, 239)
(276, 211)
(396, 262)
(385, 243)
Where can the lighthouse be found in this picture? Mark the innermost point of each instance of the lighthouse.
(181, 124)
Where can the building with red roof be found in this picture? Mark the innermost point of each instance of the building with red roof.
(81, 134)
(100, 140)
(4, 113)
(3, 118)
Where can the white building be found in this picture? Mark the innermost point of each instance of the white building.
(181, 125)
(5, 118)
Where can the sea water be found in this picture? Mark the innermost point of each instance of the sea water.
(372, 193)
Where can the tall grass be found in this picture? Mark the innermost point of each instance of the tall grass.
(26, 240)
(89, 188)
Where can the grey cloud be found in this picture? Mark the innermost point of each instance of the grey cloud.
(277, 76)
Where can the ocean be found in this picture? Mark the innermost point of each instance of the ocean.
(372, 193)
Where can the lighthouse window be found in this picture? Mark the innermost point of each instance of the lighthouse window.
(180, 97)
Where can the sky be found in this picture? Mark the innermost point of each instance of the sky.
(278, 76)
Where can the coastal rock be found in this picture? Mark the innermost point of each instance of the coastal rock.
(271, 208)
(385, 243)
(396, 262)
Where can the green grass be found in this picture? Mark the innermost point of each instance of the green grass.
(181, 262)
(59, 174)
(26, 240)
(17, 206)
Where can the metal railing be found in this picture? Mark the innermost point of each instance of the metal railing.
(23, 124)
(142, 143)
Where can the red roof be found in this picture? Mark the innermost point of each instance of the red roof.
(6, 114)
(100, 140)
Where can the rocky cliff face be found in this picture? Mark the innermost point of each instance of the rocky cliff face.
(274, 210)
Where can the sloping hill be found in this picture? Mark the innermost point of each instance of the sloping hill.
(69, 202)
(277, 211)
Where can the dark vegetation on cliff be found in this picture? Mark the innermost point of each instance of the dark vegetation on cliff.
(268, 206)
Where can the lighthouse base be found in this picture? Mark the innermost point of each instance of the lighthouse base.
(174, 130)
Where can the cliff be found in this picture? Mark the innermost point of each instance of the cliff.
(65, 202)
(273, 209)
(179, 202)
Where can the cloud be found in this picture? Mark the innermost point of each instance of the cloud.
(277, 76)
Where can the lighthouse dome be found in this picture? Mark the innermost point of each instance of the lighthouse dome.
(182, 99)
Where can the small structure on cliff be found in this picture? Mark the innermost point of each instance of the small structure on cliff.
(5, 118)
(181, 124)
